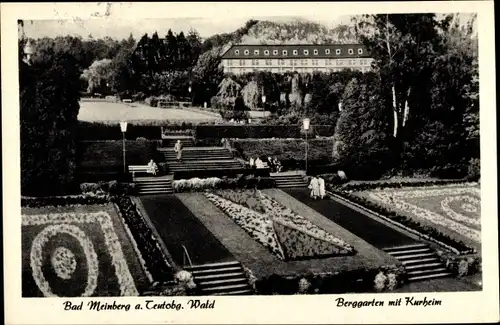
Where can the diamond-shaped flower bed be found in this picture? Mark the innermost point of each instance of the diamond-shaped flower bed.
(286, 234)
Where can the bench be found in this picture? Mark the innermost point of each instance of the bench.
(127, 100)
(140, 169)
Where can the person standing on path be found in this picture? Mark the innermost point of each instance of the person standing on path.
(314, 187)
(322, 190)
(178, 150)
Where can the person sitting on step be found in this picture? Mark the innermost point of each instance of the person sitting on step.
(252, 162)
(153, 167)
(258, 163)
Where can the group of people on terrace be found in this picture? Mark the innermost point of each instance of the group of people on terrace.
(317, 187)
(271, 162)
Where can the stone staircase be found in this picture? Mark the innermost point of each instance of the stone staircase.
(285, 180)
(227, 278)
(420, 262)
(153, 185)
(169, 141)
(201, 158)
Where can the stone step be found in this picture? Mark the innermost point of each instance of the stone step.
(214, 271)
(225, 288)
(155, 193)
(219, 276)
(213, 265)
(423, 266)
(423, 260)
(425, 272)
(153, 184)
(413, 256)
(204, 284)
(400, 248)
(409, 251)
(235, 292)
(174, 159)
(429, 277)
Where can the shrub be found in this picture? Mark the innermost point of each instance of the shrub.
(201, 184)
(474, 171)
(152, 101)
(150, 249)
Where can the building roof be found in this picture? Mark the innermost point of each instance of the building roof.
(298, 51)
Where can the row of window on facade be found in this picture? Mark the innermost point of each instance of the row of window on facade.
(302, 69)
(301, 62)
(296, 52)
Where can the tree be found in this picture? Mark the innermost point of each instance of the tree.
(194, 41)
(403, 47)
(361, 144)
(98, 75)
(172, 51)
(207, 75)
(49, 95)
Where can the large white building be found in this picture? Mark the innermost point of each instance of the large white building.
(296, 58)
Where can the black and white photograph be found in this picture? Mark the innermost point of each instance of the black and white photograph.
(190, 158)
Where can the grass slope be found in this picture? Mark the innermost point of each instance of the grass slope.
(177, 226)
(374, 232)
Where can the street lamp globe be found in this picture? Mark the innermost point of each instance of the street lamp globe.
(263, 99)
(189, 89)
(123, 126)
(306, 122)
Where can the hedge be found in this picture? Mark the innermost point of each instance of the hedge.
(247, 131)
(150, 130)
(286, 149)
(355, 281)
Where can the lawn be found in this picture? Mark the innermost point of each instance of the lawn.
(454, 210)
(110, 111)
(78, 251)
(374, 232)
(177, 226)
(262, 261)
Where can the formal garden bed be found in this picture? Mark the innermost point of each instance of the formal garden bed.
(95, 244)
(270, 275)
(212, 183)
(79, 251)
(286, 234)
(446, 213)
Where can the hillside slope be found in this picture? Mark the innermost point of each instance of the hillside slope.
(297, 32)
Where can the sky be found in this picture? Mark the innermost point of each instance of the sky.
(121, 28)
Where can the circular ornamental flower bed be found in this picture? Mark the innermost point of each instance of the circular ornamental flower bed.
(73, 255)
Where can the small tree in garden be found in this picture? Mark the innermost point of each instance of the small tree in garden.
(361, 135)
(251, 95)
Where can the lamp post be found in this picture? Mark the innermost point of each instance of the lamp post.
(189, 89)
(306, 123)
(264, 104)
(123, 127)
